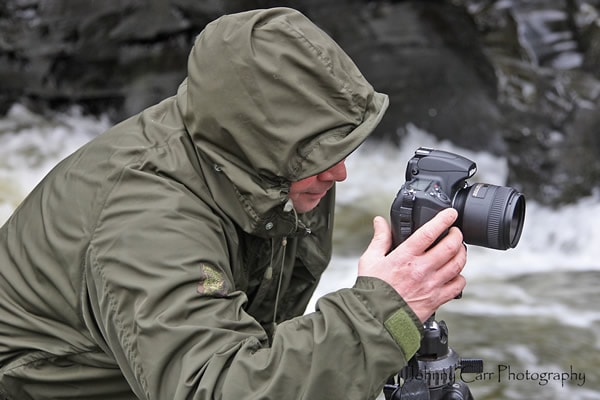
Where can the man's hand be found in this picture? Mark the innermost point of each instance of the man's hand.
(425, 277)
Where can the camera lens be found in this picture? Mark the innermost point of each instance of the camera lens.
(490, 216)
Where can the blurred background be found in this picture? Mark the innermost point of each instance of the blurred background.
(512, 85)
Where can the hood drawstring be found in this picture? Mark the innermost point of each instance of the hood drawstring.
(280, 280)
(288, 207)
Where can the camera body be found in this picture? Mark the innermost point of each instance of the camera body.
(488, 215)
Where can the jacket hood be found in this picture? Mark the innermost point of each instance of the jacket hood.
(270, 99)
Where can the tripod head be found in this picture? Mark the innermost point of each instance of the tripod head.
(431, 373)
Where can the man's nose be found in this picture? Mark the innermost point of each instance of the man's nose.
(336, 173)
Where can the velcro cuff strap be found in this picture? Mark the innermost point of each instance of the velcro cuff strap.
(402, 328)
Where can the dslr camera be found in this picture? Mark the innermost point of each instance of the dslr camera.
(488, 215)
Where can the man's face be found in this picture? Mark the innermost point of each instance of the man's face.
(306, 193)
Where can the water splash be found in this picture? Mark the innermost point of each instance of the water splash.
(31, 144)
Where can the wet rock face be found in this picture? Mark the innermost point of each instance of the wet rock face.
(119, 55)
(514, 78)
(545, 54)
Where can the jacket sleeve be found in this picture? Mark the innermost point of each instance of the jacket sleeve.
(347, 349)
(162, 302)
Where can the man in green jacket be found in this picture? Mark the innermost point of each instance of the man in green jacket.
(173, 256)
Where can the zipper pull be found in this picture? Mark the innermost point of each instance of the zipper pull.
(269, 273)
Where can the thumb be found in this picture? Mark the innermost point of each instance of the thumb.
(381, 242)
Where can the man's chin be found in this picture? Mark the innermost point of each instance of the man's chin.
(306, 206)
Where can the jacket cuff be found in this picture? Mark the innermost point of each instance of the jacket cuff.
(389, 307)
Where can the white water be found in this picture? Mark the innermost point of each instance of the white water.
(30, 145)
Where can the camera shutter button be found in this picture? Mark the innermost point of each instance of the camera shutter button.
(440, 195)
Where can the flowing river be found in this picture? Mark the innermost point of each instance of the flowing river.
(531, 313)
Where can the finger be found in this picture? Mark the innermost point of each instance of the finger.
(426, 235)
(450, 290)
(381, 241)
(455, 287)
(448, 247)
(454, 266)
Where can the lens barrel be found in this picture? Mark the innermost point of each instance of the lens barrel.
(489, 215)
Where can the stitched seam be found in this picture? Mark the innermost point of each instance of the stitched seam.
(41, 356)
(122, 333)
(327, 62)
(95, 224)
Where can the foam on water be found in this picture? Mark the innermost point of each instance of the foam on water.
(31, 144)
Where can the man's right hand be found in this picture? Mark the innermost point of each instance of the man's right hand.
(425, 277)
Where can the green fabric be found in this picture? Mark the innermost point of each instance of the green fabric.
(146, 264)
(291, 105)
(401, 327)
(401, 322)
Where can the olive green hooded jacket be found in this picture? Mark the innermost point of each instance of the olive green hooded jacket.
(153, 261)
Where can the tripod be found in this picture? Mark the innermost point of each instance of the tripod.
(431, 373)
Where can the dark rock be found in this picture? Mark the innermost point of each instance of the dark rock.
(428, 58)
